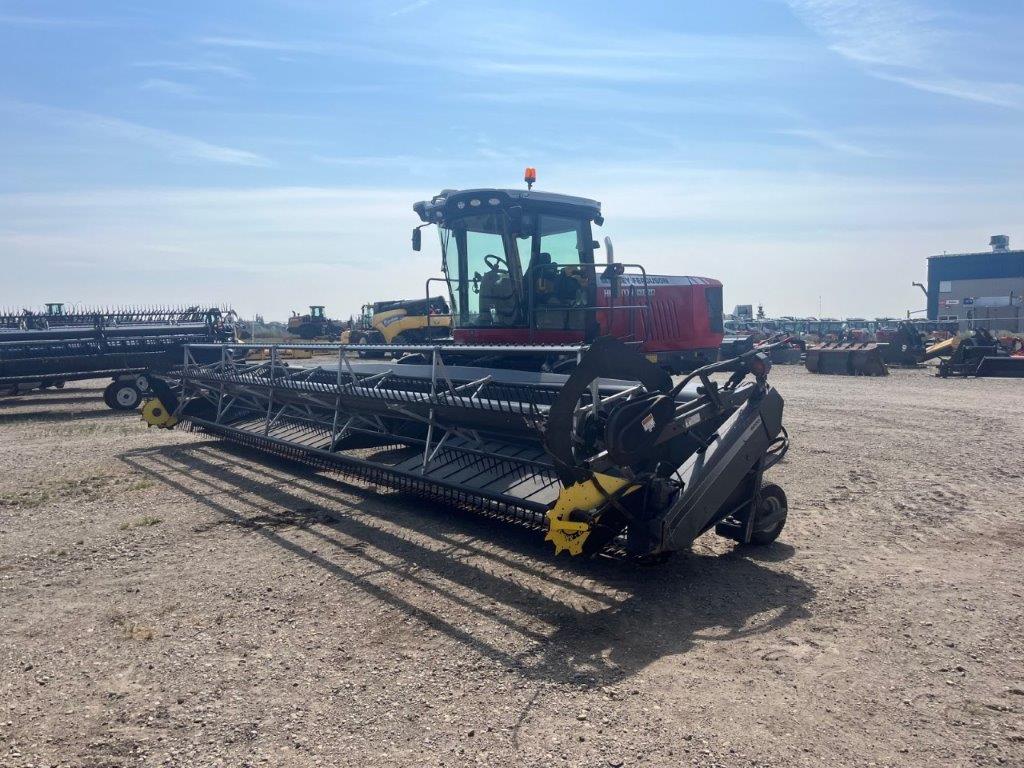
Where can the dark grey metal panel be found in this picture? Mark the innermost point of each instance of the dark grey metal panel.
(970, 266)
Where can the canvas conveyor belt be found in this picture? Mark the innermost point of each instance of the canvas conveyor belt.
(545, 450)
(503, 464)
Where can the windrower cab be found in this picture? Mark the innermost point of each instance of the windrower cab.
(521, 269)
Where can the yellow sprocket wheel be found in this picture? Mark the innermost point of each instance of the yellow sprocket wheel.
(571, 535)
(156, 415)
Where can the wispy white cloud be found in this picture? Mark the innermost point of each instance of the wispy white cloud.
(410, 7)
(377, 161)
(263, 44)
(830, 141)
(904, 42)
(50, 21)
(887, 32)
(581, 70)
(622, 97)
(199, 66)
(171, 88)
(545, 48)
(174, 145)
(1010, 95)
(548, 38)
(409, 55)
(478, 156)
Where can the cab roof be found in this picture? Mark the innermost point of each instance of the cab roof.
(455, 203)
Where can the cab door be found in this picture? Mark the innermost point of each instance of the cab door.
(558, 277)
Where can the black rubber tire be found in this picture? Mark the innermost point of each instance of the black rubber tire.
(122, 396)
(770, 516)
(405, 337)
(409, 337)
(359, 338)
(373, 337)
(108, 395)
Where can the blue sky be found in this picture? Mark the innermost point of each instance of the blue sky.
(267, 153)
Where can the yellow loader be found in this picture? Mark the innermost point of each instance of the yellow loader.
(411, 321)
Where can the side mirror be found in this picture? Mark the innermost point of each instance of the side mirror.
(417, 239)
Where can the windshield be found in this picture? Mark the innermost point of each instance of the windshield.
(483, 287)
(537, 272)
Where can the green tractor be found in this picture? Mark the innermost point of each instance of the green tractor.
(315, 325)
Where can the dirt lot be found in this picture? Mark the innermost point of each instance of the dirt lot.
(165, 602)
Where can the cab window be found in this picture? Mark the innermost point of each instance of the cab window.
(553, 249)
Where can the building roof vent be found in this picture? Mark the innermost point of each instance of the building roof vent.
(1000, 243)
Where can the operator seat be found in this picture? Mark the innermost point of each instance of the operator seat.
(551, 300)
(539, 278)
(540, 267)
(496, 294)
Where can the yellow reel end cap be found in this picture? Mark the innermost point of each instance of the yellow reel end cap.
(156, 415)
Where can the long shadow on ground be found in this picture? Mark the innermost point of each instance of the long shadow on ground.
(600, 620)
(42, 415)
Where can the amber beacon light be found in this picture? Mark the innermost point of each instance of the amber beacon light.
(530, 177)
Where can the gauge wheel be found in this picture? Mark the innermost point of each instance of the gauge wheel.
(770, 517)
(122, 396)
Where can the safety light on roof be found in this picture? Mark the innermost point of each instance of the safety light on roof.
(493, 201)
(530, 177)
(461, 204)
(474, 203)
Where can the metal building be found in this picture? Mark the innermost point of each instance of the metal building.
(980, 290)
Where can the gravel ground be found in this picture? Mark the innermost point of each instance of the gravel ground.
(167, 601)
